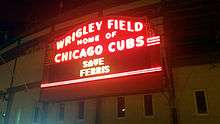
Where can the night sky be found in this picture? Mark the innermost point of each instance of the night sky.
(17, 16)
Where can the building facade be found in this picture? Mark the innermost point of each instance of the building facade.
(190, 32)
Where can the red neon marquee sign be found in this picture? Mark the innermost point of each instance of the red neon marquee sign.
(103, 49)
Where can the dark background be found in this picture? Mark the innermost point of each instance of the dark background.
(19, 16)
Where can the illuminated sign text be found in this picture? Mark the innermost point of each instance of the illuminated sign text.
(103, 49)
